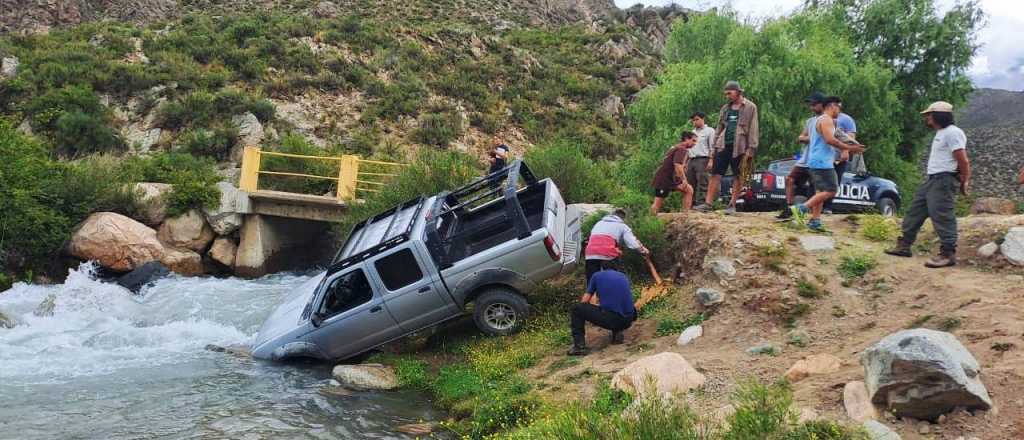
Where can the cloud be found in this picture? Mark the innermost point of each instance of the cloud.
(999, 62)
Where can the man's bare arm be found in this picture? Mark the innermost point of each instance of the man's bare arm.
(963, 166)
(827, 128)
(804, 136)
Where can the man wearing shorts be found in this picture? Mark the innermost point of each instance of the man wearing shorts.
(671, 175)
(736, 140)
(821, 162)
(799, 177)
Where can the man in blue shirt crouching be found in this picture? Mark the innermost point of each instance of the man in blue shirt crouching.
(616, 312)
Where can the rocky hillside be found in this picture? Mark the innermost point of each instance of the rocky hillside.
(992, 120)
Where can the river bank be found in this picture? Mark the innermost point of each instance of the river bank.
(122, 366)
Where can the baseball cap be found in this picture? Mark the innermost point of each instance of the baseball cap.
(939, 106)
(815, 98)
(733, 85)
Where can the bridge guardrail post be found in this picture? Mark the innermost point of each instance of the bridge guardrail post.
(249, 180)
(348, 172)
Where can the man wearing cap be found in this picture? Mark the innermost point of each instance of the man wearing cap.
(736, 140)
(799, 176)
(948, 171)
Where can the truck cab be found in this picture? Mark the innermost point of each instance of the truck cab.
(479, 249)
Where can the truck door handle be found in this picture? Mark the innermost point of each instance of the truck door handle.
(424, 289)
(376, 309)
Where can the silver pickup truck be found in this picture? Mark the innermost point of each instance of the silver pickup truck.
(479, 249)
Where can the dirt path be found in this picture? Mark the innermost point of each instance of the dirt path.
(982, 303)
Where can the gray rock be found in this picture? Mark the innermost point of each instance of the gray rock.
(224, 218)
(690, 334)
(878, 431)
(46, 307)
(6, 321)
(152, 198)
(142, 140)
(143, 276)
(709, 297)
(326, 9)
(817, 243)
(189, 230)
(25, 127)
(765, 348)
(9, 67)
(988, 250)
(250, 134)
(613, 106)
(1013, 245)
(721, 267)
(366, 377)
(923, 374)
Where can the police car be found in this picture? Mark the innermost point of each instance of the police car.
(857, 192)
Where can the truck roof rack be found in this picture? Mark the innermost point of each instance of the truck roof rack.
(378, 234)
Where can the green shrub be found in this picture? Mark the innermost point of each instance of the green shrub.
(673, 326)
(194, 178)
(856, 265)
(808, 289)
(215, 144)
(412, 373)
(878, 228)
(580, 179)
(77, 134)
(438, 129)
(400, 98)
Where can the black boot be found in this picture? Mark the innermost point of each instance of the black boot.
(579, 346)
(617, 337)
(902, 249)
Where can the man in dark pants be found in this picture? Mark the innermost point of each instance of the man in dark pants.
(799, 177)
(697, 168)
(948, 170)
(615, 313)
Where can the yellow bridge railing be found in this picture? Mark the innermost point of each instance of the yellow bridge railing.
(350, 180)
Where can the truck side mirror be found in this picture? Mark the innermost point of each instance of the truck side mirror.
(317, 319)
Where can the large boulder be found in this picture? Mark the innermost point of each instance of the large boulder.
(224, 218)
(814, 364)
(188, 231)
(250, 134)
(923, 374)
(1013, 245)
(663, 373)
(142, 276)
(152, 198)
(994, 205)
(223, 251)
(182, 261)
(116, 242)
(366, 377)
(9, 67)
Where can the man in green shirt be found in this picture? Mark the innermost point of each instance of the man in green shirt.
(736, 141)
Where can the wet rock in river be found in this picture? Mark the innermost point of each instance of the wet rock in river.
(366, 377)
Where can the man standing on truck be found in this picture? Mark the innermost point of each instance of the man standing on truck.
(603, 244)
(671, 175)
(700, 156)
(948, 170)
(736, 141)
(798, 175)
(616, 311)
(821, 161)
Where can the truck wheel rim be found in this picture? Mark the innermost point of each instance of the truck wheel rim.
(500, 316)
(888, 211)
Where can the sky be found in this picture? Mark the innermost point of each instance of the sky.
(998, 64)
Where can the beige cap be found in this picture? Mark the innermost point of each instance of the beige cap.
(939, 106)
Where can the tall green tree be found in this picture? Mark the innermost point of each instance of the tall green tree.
(779, 64)
(928, 53)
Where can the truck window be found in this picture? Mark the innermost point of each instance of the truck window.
(399, 269)
(347, 292)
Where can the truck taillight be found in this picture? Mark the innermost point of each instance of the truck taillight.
(552, 247)
(768, 181)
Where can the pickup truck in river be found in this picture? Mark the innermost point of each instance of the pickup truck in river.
(479, 249)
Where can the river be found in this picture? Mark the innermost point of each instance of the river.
(112, 365)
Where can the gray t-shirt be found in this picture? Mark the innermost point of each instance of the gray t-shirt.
(947, 140)
(705, 141)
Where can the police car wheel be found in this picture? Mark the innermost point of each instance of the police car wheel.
(887, 207)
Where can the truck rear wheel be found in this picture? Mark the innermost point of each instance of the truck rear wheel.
(500, 311)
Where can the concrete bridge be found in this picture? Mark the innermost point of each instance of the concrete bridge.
(283, 230)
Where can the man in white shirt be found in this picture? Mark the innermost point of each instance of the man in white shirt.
(697, 169)
(948, 171)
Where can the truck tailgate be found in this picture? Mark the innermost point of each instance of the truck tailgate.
(572, 240)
